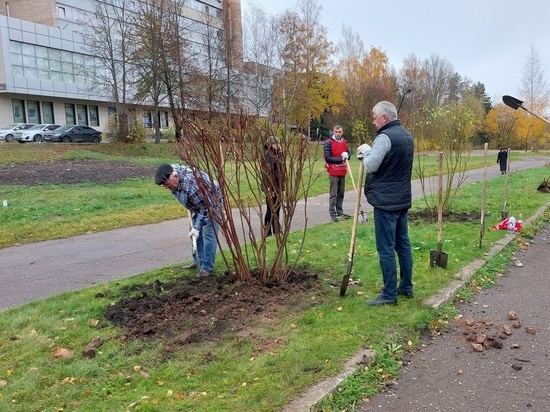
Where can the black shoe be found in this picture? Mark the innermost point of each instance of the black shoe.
(380, 300)
(333, 219)
(408, 295)
(344, 216)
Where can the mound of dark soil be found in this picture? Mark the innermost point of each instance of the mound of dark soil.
(190, 310)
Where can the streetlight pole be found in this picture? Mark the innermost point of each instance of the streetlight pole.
(403, 99)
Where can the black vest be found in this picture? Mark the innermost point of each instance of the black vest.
(389, 188)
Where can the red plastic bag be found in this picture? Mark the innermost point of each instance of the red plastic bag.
(504, 225)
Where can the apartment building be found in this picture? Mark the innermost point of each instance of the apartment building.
(44, 59)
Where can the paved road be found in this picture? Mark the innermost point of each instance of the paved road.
(39, 270)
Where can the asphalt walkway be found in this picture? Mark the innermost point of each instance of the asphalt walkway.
(39, 270)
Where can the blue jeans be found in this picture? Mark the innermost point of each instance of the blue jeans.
(207, 245)
(392, 235)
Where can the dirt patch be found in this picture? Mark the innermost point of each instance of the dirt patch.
(191, 310)
(71, 172)
(423, 216)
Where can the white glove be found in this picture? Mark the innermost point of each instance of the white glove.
(345, 155)
(363, 150)
(194, 232)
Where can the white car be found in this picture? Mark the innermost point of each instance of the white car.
(7, 132)
(35, 133)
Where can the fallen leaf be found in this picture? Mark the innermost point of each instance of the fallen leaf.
(62, 353)
(507, 330)
(531, 329)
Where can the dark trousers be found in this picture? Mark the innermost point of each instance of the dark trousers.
(336, 195)
(272, 212)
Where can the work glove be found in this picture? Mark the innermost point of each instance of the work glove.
(363, 150)
(345, 156)
(194, 232)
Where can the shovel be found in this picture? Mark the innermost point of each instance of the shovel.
(345, 280)
(438, 257)
(363, 219)
(518, 104)
(194, 241)
(483, 194)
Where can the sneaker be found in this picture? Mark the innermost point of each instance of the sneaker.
(408, 295)
(333, 219)
(380, 300)
(203, 274)
(190, 266)
(344, 216)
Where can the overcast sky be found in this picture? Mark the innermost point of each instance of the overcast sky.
(487, 41)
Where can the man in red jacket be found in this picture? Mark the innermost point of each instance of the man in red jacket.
(336, 153)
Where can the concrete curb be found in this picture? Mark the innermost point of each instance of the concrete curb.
(316, 393)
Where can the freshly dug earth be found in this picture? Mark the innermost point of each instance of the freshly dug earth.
(70, 172)
(190, 310)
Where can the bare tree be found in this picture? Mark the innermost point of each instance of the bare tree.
(148, 35)
(533, 85)
(438, 73)
(261, 39)
(107, 36)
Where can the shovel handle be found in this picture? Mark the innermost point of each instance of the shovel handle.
(440, 200)
(351, 174)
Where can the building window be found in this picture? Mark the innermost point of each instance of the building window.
(69, 114)
(82, 115)
(38, 62)
(147, 119)
(94, 115)
(47, 112)
(18, 111)
(33, 111)
(164, 119)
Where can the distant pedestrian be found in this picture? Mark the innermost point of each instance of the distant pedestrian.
(336, 153)
(202, 197)
(388, 189)
(502, 159)
(273, 180)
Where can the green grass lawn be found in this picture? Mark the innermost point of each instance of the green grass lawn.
(311, 341)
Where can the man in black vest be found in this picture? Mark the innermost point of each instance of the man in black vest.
(388, 189)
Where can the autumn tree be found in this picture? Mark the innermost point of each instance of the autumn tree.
(364, 79)
(304, 87)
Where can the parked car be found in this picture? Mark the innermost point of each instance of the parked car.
(70, 134)
(35, 133)
(7, 132)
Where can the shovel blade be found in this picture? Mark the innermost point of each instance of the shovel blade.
(344, 285)
(438, 258)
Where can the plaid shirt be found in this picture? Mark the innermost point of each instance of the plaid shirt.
(197, 193)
